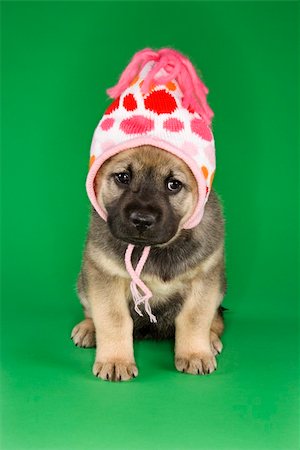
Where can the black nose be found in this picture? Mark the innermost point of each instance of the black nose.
(142, 221)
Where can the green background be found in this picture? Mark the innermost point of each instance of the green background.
(57, 61)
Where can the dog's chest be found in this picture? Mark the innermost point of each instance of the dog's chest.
(161, 290)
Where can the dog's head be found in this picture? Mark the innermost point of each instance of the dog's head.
(148, 195)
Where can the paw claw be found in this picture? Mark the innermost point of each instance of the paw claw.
(215, 343)
(83, 334)
(115, 371)
(197, 363)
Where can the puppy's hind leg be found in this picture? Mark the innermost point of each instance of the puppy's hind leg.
(84, 334)
(216, 330)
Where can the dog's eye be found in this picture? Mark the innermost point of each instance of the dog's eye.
(173, 185)
(123, 178)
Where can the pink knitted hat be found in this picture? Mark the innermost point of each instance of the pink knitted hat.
(159, 101)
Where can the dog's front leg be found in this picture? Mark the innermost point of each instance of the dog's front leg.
(114, 329)
(193, 353)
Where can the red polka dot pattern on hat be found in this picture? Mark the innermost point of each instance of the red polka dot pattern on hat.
(137, 125)
(160, 102)
(106, 124)
(173, 124)
(129, 102)
(113, 106)
(199, 127)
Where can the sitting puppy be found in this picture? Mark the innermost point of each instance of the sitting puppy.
(153, 265)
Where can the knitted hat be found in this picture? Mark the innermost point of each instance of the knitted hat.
(159, 101)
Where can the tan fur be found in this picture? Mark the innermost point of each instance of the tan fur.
(197, 328)
(193, 352)
(106, 293)
(83, 334)
(162, 290)
(113, 324)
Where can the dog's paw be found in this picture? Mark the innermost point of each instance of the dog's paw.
(216, 344)
(115, 371)
(196, 363)
(83, 334)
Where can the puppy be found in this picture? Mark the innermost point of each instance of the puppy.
(148, 194)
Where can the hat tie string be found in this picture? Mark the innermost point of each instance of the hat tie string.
(140, 292)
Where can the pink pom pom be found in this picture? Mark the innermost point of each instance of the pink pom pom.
(177, 67)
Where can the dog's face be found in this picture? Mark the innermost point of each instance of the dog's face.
(148, 195)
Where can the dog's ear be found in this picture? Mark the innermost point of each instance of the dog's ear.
(104, 185)
(98, 184)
